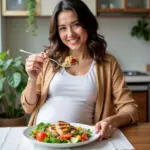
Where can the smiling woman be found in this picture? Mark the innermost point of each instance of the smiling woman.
(92, 92)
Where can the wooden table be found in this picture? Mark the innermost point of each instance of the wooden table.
(138, 135)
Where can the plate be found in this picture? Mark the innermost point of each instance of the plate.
(93, 137)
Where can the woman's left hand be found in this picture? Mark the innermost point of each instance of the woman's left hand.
(106, 129)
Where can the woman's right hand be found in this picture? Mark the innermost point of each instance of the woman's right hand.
(34, 65)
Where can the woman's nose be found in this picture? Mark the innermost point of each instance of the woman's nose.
(70, 32)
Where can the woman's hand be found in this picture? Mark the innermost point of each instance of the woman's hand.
(106, 129)
(34, 65)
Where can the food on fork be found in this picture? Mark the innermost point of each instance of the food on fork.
(60, 132)
(70, 61)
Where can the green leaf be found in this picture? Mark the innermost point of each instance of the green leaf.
(139, 23)
(7, 64)
(14, 80)
(10, 110)
(21, 87)
(1, 62)
(146, 37)
(12, 97)
(2, 80)
(3, 55)
(17, 62)
(18, 58)
(19, 112)
(2, 94)
(145, 24)
(134, 31)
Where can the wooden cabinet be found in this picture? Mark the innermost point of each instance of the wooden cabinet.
(17, 7)
(47, 6)
(141, 97)
(123, 5)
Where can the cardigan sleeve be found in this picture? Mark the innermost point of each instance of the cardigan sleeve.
(29, 108)
(122, 95)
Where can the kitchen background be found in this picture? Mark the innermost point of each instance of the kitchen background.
(132, 54)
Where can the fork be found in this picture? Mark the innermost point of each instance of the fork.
(24, 51)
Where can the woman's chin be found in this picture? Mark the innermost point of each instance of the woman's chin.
(74, 48)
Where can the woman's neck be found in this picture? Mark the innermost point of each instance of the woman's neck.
(80, 55)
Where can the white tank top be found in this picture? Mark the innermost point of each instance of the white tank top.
(70, 98)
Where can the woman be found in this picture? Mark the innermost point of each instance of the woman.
(92, 92)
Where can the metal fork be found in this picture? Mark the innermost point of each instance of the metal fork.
(24, 51)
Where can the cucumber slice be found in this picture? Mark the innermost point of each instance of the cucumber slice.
(74, 140)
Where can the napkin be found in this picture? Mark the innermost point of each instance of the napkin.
(120, 141)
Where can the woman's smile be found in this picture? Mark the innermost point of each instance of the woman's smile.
(73, 41)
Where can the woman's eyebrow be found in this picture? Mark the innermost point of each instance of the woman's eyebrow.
(75, 21)
(71, 23)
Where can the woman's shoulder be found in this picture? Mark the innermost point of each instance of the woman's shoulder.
(109, 57)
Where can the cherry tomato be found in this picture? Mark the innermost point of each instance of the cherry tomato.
(41, 136)
(73, 60)
(84, 137)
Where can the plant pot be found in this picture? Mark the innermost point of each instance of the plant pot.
(13, 122)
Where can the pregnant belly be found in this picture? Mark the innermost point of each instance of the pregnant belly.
(70, 110)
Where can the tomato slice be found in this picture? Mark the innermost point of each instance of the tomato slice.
(41, 136)
(66, 136)
(84, 137)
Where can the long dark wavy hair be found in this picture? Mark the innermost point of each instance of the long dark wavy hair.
(96, 43)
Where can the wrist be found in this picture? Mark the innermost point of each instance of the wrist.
(31, 80)
(119, 119)
(112, 120)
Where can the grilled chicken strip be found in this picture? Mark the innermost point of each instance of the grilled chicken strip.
(53, 130)
(73, 130)
(63, 127)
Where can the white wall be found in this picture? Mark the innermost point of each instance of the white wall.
(130, 52)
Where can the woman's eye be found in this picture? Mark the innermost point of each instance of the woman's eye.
(76, 25)
(62, 28)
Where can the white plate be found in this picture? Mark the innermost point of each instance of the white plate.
(93, 137)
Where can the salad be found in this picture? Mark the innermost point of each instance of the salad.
(69, 61)
(61, 132)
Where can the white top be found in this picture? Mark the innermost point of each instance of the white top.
(71, 98)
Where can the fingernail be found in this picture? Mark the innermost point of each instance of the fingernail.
(97, 131)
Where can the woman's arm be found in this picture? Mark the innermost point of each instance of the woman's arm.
(34, 67)
(29, 97)
(122, 95)
(30, 92)
(119, 119)
(125, 106)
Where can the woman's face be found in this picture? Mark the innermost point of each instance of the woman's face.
(72, 34)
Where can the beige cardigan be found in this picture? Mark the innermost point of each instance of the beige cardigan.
(113, 95)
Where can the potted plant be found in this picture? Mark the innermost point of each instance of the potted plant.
(13, 79)
(141, 29)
